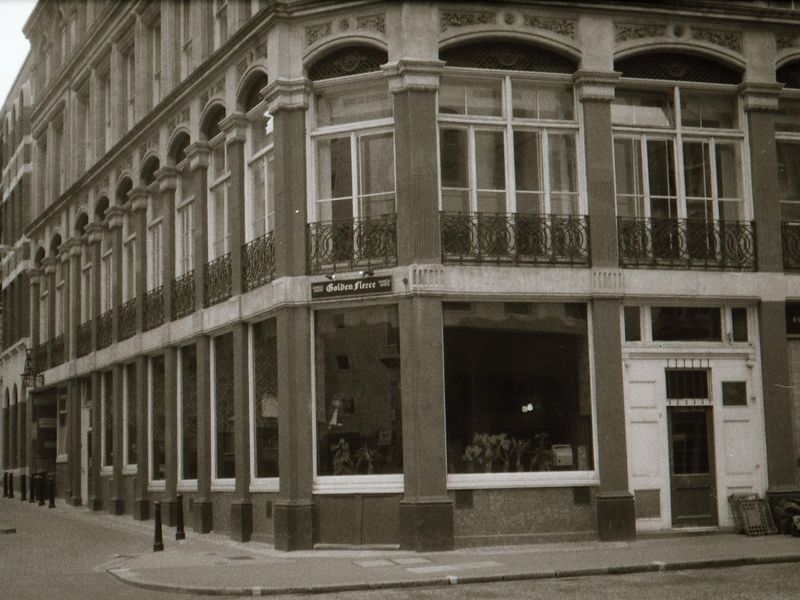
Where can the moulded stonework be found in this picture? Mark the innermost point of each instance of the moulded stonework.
(317, 32)
(249, 57)
(466, 18)
(374, 22)
(635, 31)
(565, 27)
(719, 37)
(180, 118)
(786, 40)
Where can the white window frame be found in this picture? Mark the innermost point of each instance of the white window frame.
(87, 285)
(185, 41)
(155, 59)
(128, 468)
(216, 184)
(258, 159)
(218, 484)
(104, 468)
(129, 59)
(59, 325)
(44, 312)
(152, 484)
(509, 124)
(184, 485)
(129, 259)
(257, 484)
(155, 246)
(789, 137)
(184, 240)
(62, 431)
(221, 22)
(678, 133)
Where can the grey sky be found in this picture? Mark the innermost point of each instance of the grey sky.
(13, 44)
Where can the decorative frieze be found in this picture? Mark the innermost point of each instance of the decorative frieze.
(374, 22)
(316, 32)
(216, 89)
(624, 32)
(732, 40)
(179, 119)
(565, 27)
(450, 19)
(608, 282)
(786, 40)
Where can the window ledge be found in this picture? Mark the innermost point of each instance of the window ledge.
(106, 471)
(358, 484)
(466, 481)
(130, 469)
(267, 484)
(187, 485)
(62, 458)
(156, 486)
(223, 485)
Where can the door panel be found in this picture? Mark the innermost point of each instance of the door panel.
(692, 479)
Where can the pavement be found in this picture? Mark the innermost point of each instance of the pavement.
(212, 564)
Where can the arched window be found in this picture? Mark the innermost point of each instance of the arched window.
(184, 206)
(129, 257)
(218, 180)
(155, 219)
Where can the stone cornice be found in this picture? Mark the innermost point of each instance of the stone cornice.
(49, 265)
(115, 216)
(94, 233)
(760, 97)
(234, 126)
(597, 86)
(197, 154)
(421, 75)
(166, 178)
(287, 94)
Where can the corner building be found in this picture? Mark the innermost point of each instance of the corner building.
(426, 274)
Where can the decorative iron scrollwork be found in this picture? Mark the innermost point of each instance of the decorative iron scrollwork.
(127, 319)
(104, 333)
(84, 338)
(515, 239)
(57, 350)
(218, 280)
(351, 244)
(258, 261)
(183, 302)
(153, 309)
(687, 244)
(791, 246)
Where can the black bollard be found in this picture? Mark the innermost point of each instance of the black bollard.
(10, 485)
(51, 485)
(179, 533)
(41, 490)
(5, 485)
(32, 488)
(22, 487)
(158, 543)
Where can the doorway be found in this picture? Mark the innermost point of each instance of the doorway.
(692, 472)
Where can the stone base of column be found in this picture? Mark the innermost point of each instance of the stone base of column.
(426, 526)
(293, 525)
(777, 493)
(203, 516)
(169, 512)
(241, 521)
(95, 503)
(616, 517)
(74, 501)
(117, 507)
(141, 509)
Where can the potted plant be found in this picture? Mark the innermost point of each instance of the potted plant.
(342, 462)
(518, 448)
(473, 454)
(542, 459)
(365, 456)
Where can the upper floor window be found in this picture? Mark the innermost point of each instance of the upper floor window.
(155, 220)
(787, 146)
(186, 38)
(184, 221)
(220, 22)
(155, 60)
(129, 65)
(218, 177)
(260, 183)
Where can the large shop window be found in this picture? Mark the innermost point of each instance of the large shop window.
(264, 395)
(158, 426)
(357, 374)
(107, 418)
(129, 407)
(517, 390)
(224, 449)
(508, 145)
(187, 413)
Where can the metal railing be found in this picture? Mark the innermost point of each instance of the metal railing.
(153, 308)
(790, 236)
(127, 319)
(104, 329)
(84, 338)
(515, 239)
(218, 280)
(57, 350)
(258, 261)
(183, 302)
(686, 244)
(351, 244)
(40, 358)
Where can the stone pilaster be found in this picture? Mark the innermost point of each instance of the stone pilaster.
(94, 235)
(166, 184)
(235, 128)
(114, 219)
(242, 507)
(95, 493)
(203, 514)
(74, 415)
(117, 506)
(170, 435)
(197, 154)
(75, 248)
(141, 501)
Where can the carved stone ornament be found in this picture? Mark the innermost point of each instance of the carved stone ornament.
(565, 27)
(374, 22)
(465, 19)
(317, 32)
(785, 40)
(344, 24)
(727, 39)
(635, 31)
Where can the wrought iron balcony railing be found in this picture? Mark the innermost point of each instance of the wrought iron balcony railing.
(183, 295)
(127, 319)
(40, 358)
(687, 244)
(153, 308)
(104, 333)
(515, 239)
(84, 335)
(790, 234)
(351, 244)
(57, 350)
(258, 261)
(218, 280)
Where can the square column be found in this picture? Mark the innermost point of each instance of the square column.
(95, 500)
(203, 514)
(197, 154)
(242, 507)
(170, 501)
(117, 502)
(74, 415)
(141, 502)
(166, 184)
(94, 233)
(235, 128)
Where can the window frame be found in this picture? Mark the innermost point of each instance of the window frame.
(789, 137)
(155, 245)
(257, 484)
(726, 327)
(152, 484)
(184, 206)
(218, 484)
(184, 485)
(216, 184)
(260, 158)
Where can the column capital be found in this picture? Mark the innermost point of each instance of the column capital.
(234, 126)
(137, 193)
(138, 203)
(73, 246)
(287, 94)
(760, 96)
(114, 216)
(34, 276)
(167, 178)
(597, 86)
(94, 232)
(49, 264)
(418, 75)
(197, 154)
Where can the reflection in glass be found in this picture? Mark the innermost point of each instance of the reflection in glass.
(188, 412)
(265, 409)
(225, 459)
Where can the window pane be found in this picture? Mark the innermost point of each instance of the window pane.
(517, 388)
(739, 324)
(353, 103)
(788, 117)
(661, 168)
(158, 422)
(130, 413)
(258, 181)
(697, 169)
(633, 330)
(562, 167)
(628, 178)
(454, 172)
(528, 171)
(188, 416)
(490, 170)
(709, 110)
(265, 370)
(682, 323)
(480, 97)
(225, 459)
(734, 393)
(637, 108)
(218, 160)
(788, 170)
(108, 418)
(540, 101)
(334, 169)
(689, 437)
(358, 410)
(377, 174)
(727, 159)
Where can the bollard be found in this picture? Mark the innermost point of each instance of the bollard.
(32, 488)
(158, 543)
(51, 485)
(179, 533)
(5, 485)
(22, 487)
(41, 490)
(10, 485)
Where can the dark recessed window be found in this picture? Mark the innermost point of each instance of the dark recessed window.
(739, 324)
(734, 393)
(687, 384)
(633, 329)
(686, 324)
